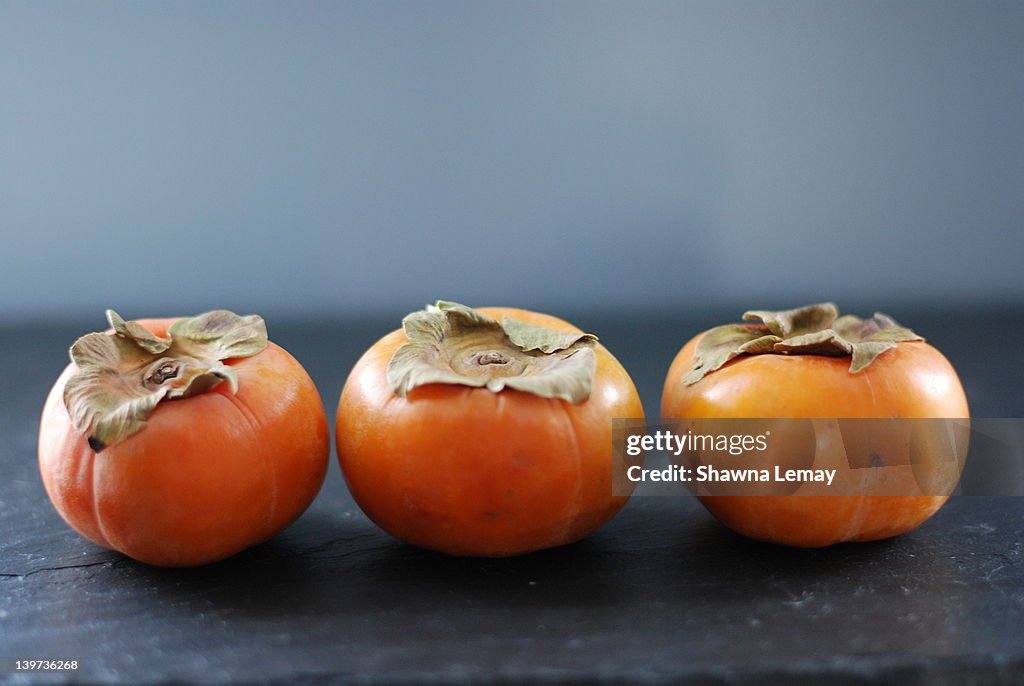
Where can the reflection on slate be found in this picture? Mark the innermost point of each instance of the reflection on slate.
(663, 593)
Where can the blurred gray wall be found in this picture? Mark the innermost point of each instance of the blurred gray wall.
(343, 157)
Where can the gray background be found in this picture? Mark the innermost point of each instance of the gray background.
(340, 158)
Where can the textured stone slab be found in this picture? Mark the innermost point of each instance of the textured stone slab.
(663, 593)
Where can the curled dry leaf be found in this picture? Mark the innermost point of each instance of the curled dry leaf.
(454, 344)
(123, 375)
(810, 330)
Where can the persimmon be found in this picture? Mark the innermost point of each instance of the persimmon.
(811, 363)
(180, 442)
(484, 432)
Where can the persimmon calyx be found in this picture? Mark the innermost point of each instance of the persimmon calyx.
(454, 344)
(810, 330)
(123, 375)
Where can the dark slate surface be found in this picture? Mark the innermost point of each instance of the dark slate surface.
(663, 593)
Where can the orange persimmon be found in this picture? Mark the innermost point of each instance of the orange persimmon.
(797, 364)
(484, 432)
(144, 450)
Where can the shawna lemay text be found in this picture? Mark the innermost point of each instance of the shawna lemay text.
(708, 473)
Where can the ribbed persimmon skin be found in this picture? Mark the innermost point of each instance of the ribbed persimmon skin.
(467, 471)
(913, 380)
(207, 477)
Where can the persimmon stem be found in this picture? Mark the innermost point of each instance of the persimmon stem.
(811, 330)
(490, 357)
(454, 344)
(123, 375)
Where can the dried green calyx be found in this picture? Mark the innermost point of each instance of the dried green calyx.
(123, 375)
(811, 330)
(454, 344)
